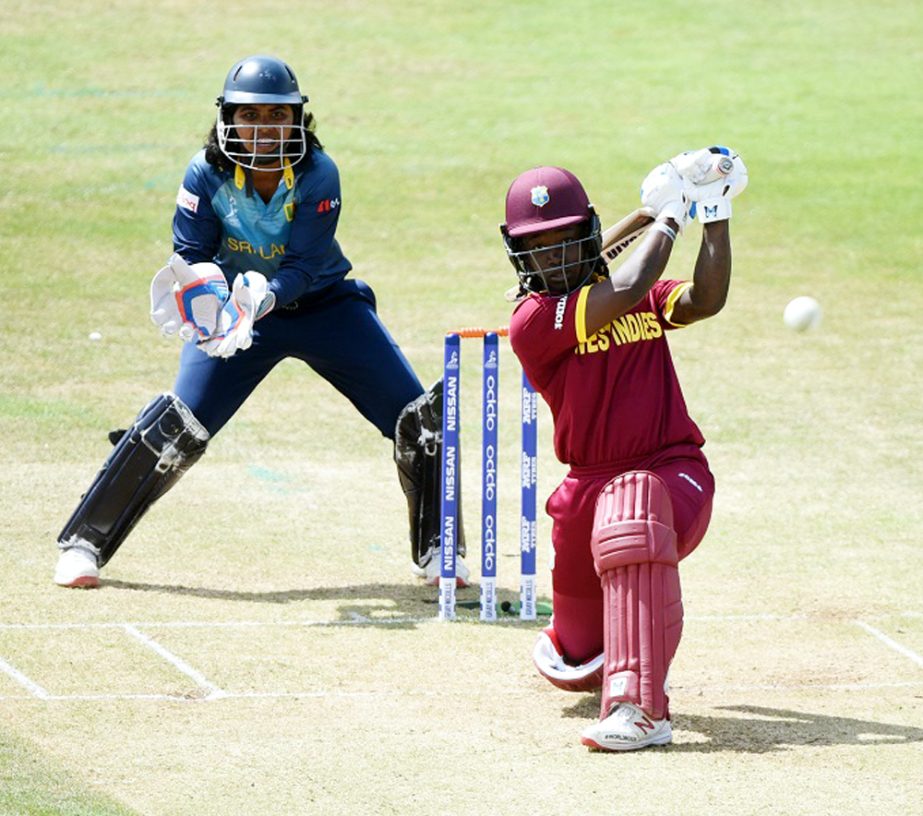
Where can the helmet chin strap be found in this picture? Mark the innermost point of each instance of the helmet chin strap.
(267, 161)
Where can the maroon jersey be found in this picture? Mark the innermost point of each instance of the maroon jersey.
(614, 396)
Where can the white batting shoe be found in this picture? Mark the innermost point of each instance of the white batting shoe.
(627, 728)
(77, 567)
(431, 573)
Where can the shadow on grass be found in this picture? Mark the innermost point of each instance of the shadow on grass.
(412, 600)
(768, 729)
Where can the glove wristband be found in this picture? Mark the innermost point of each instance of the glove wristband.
(713, 209)
(666, 229)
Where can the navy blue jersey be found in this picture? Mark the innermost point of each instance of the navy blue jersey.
(290, 239)
(330, 323)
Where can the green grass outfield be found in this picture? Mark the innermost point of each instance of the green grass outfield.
(299, 669)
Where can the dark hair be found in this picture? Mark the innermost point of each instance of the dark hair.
(218, 160)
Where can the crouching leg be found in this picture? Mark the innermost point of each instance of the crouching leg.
(147, 460)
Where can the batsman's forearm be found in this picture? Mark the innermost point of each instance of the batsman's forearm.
(712, 276)
(635, 277)
(628, 284)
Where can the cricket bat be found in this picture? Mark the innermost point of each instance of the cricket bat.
(620, 236)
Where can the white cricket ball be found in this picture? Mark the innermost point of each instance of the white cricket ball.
(802, 313)
(95, 336)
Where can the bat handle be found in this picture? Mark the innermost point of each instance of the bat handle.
(721, 166)
(724, 165)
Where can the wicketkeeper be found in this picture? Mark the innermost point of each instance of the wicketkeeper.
(638, 496)
(257, 276)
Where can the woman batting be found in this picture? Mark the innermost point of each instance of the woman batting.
(637, 498)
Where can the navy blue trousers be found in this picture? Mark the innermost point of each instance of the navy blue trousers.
(337, 333)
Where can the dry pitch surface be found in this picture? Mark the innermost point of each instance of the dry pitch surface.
(305, 673)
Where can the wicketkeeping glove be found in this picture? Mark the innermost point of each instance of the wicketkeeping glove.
(663, 191)
(712, 176)
(250, 298)
(187, 300)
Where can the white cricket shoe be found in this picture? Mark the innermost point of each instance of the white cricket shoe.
(77, 567)
(431, 573)
(627, 728)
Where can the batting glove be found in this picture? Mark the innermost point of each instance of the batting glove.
(250, 298)
(713, 176)
(663, 191)
(187, 300)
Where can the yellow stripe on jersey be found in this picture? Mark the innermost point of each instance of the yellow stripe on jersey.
(288, 176)
(671, 302)
(580, 314)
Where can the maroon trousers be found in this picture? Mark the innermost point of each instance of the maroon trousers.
(581, 616)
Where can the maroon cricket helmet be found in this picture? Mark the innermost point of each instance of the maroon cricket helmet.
(545, 198)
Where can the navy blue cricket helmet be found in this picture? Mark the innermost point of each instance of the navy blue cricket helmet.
(261, 80)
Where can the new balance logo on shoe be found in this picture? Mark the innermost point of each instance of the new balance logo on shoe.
(645, 724)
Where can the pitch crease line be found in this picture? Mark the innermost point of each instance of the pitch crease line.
(891, 643)
(755, 617)
(354, 695)
(786, 687)
(354, 619)
(30, 685)
(357, 619)
(213, 691)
